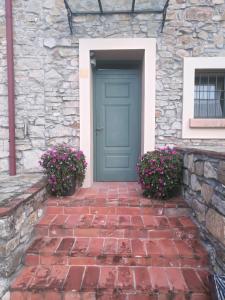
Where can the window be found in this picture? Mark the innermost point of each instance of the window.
(209, 101)
(203, 98)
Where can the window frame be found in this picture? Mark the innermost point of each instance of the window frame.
(199, 128)
(211, 74)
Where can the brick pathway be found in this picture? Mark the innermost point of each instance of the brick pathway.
(108, 242)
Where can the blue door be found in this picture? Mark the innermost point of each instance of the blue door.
(117, 130)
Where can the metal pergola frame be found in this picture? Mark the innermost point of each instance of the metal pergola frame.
(71, 14)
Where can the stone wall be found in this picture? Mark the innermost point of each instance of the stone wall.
(46, 68)
(204, 191)
(18, 215)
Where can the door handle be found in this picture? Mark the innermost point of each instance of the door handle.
(99, 129)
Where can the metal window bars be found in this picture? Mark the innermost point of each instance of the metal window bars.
(209, 101)
(133, 11)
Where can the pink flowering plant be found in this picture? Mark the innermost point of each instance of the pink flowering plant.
(63, 165)
(160, 173)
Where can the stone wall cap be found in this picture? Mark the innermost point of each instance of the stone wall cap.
(215, 152)
(8, 205)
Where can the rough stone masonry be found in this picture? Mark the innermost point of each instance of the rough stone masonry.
(46, 68)
(204, 191)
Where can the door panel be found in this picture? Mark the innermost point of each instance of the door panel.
(117, 136)
(117, 125)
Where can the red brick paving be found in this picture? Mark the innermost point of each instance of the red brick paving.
(108, 242)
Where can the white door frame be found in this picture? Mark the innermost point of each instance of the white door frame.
(86, 92)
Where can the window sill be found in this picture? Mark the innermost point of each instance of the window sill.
(207, 123)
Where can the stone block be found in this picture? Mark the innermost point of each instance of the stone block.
(50, 43)
(189, 162)
(186, 41)
(7, 247)
(219, 203)
(219, 40)
(4, 165)
(209, 170)
(186, 177)
(207, 193)
(221, 172)
(199, 168)
(7, 228)
(19, 220)
(195, 185)
(4, 285)
(66, 52)
(48, 4)
(36, 131)
(37, 75)
(9, 265)
(60, 131)
(31, 158)
(199, 209)
(52, 74)
(33, 6)
(32, 219)
(199, 13)
(220, 189)
(6, 296)
(215, 223)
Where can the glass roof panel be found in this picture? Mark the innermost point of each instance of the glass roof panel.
(149, 4)
(114, 5)
(83, 6)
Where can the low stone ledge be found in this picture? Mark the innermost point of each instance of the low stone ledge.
(9, 205)
(204, 191)
(18, 215)
(213, 152)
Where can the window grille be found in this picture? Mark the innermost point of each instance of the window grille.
(209, 94)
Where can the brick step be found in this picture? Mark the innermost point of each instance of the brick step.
(61, 231)
(116, 221)
(111, 251)
(119, 246)
(158, 210)
(107, 295)
(114, 260)
(108, 242)
(111, 279)
(103, 201)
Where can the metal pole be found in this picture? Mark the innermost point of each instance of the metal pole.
(11, 87)
(100, 6)
(133, 6)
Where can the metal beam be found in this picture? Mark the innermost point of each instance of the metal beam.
(120, 12)
(11, 86)
(133, 6)
(100, 6)
(164, 12)
(69, 15)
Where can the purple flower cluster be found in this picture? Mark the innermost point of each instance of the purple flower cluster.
(61, 163)
(160, 173)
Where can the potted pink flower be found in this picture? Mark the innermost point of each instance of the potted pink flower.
(65, 169)
(160, 173)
